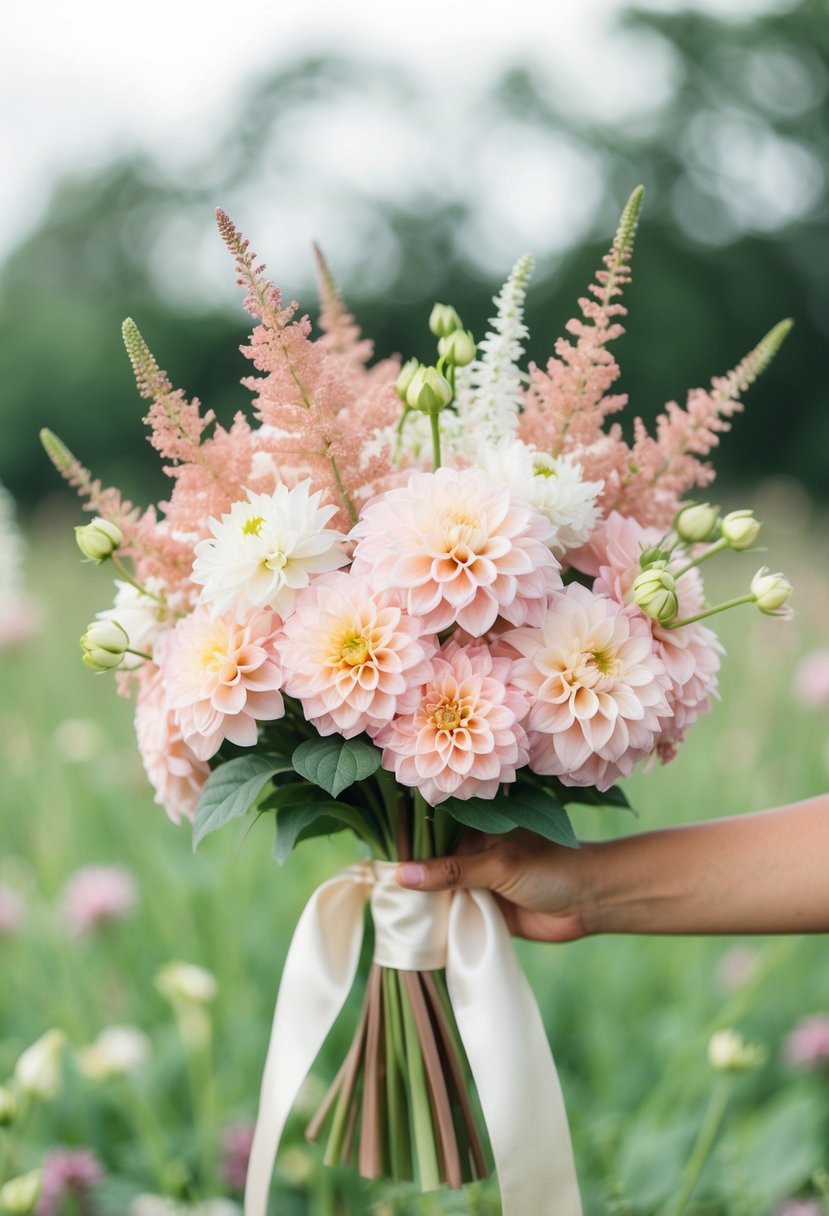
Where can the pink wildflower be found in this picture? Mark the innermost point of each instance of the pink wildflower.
(800, 1207)
(691, 654)
(96, 896)
(221, 678)
(174, 771)
(460, 549)
(811, 680)
(352, 656)
(807, 1046)
(464, 737)
(236, 1142)
(597, 687)
(12, 911)
(69, 1176)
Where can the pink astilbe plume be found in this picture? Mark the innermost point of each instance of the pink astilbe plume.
(341, 339)
(667, 466)
(567, 403)
(302, 392)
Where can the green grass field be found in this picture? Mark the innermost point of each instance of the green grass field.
(629, 1020)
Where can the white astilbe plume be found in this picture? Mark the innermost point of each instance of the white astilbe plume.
(489, 390)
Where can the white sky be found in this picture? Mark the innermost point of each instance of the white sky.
(83, 79)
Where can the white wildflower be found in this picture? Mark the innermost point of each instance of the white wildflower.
(489, 390)
(17, 616)
(38, 1072)
(117, 1051)
(265, 549)
(552, 484)
(141, 616)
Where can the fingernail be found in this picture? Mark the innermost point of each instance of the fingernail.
(411, 875)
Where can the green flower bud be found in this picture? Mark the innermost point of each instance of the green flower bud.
(740, 529)
(654, 591)
(650, 557)
(405, 377)
(19, 1196)
(458, 347)
(729, 1052)
(770, 591)
(444, 320)
(104, 645)
(695, 522)
(8, 1106)
(38, 1072)
(428, 391)
(99, 540)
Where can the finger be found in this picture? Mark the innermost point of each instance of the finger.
(448, 873)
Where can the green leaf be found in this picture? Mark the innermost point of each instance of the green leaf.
(588, 795)
(335, 763)
(299, 818)
(232, 789)
(535, 810)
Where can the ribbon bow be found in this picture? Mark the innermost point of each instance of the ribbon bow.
(496, 1014)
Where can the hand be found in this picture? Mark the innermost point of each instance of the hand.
(541, 887)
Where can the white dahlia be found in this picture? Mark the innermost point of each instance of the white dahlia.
(265, 549)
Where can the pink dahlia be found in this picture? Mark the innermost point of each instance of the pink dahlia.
(352, 656)
(96, 896)
(464, 737)
(459, 548)
(221, 678)
(597, 689)
(173, 769)
(691, 654)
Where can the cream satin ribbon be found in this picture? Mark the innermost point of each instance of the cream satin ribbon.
(497, 1016)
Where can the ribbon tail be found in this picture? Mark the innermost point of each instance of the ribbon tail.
(319, 971)
(506, 1045)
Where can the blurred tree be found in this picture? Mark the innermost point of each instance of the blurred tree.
(732, 154)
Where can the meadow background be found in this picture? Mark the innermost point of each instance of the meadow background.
(423, 177)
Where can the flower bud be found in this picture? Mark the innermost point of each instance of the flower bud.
(8, 1106)
(740, 529)
(19, 1196)
(103, 645)
(99, 540)
(649, 557)
(770, 591)
(428, 391)
(695, 522)
(443, 320)
(38, 1071)
(186, 983)
(458, 347)
(729, 1052)
(654, 591)
(118, 1051)
(405, 377)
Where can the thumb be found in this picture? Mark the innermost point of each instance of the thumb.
(448, 873)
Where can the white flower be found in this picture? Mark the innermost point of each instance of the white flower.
(265, 549)
(770, 592)
(38, 1072)
(142, 617)
(729, 1052)
(187, 983)
(552, 484)
(489, 390)
(19, 1196)
(17, 616)
(104, 645)
(117, 1051)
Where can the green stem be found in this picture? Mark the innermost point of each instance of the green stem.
(420, 1106)
(717, 547)
(348, 504)
(149, 1131)
(141, 654)
(700, 616)
(434, 420)
(128, 578)
(709, 1128)
(400, 1157)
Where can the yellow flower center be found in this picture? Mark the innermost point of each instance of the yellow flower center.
(447, 716)
(253, 526)
(604, 661)
(354, 650)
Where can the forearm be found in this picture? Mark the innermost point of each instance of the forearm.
(761, 873)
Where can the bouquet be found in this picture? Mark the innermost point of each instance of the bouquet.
(409, 601)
